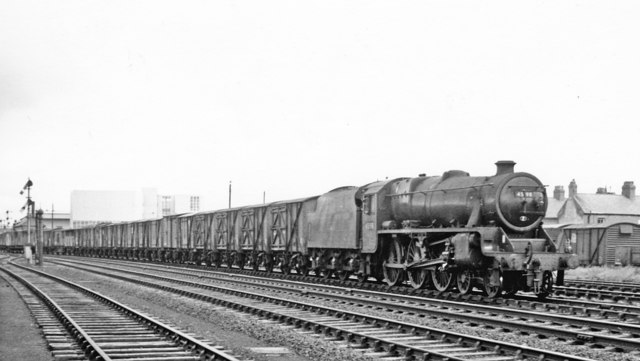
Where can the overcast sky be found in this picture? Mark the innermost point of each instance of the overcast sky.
(296, 98)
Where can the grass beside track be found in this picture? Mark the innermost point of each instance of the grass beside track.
(612, 274)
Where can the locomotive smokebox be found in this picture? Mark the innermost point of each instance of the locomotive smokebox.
(505, 167)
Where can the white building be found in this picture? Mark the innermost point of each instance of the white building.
(178, 204)
(92, 207)
(49, 221)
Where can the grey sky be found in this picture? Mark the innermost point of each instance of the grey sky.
(299, 97)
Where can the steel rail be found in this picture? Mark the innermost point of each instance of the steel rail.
(608, 285)
(187, 342)
(88, 345)
(448, 309)
(617, 296)
(408, 328)
(622, 312)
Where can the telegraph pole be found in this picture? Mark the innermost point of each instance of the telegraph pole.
(229, 194)
(39, 237)
(29, 216)
(51, 233)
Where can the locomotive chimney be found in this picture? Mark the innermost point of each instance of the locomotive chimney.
(558, 193)
(629, 190)
(505, 166)
(573, 188)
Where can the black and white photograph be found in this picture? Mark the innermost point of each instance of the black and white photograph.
(319, 180)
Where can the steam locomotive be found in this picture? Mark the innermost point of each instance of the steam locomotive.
(445, 232)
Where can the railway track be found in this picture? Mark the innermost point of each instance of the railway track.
(404, 340)
(548, 321)
(599, 293)
(628, 294)
(613, 311)
(83, 325)
(604, 285)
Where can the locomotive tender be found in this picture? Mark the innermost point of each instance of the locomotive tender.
(442, 232)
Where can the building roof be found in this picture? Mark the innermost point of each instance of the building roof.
(607, 204)
(46, 216)
(553, 207)
(558, 225)
(599, 225)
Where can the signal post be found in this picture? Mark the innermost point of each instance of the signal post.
(39, 237)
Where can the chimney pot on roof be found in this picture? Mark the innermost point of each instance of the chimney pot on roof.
(558, 193)
(573, 188)
(505, 166)
(629, 190)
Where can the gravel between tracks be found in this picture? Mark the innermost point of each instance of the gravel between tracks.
(531, 340)
(303, 345)
(234, 330)
(20, 336)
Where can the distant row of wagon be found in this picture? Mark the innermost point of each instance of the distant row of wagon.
(613, 244)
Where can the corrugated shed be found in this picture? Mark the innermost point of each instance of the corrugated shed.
(623, 242)
(610, 244)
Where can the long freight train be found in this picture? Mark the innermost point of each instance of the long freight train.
(442, 232)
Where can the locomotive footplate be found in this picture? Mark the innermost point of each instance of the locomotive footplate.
(537, 260)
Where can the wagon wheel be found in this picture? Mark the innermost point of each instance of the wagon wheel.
(231, 257)
(546, 287)
(240, 257)
(302, 265)
(343, 275)
(326, 273)
(362, 277)
(285, 268)
(418, 277)
(217, 260)
(255, 261)
(442, 279)
(268, 263)
(393, 275)
(492, 291)
(464, 281)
